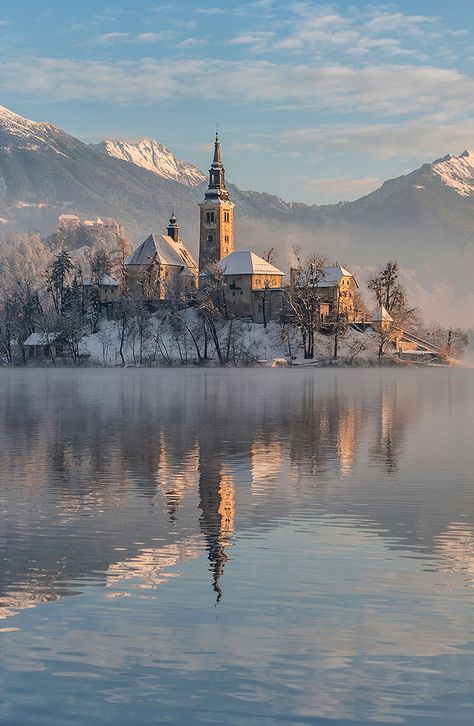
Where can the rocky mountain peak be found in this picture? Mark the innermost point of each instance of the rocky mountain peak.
(155, 157)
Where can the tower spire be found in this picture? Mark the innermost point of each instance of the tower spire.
(173, 228)
(217, 150)
(217, 188)
(216, 233)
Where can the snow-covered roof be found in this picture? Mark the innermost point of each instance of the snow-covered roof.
(106, 280)
(333, 276)
(247, 263)
(41, 339)
(164, 250)
(382, 315)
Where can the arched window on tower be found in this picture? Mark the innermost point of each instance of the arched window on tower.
(210, 238)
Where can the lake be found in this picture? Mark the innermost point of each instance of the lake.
(237, 546)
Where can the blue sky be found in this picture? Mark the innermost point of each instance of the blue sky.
(316, 101)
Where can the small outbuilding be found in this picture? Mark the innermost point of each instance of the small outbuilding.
(381, 320)
(51, 346)
(45, 345)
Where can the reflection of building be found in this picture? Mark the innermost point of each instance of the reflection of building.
(346, 439)
(266, 462)
(455, 547)
(174, 482)
(151, 563)
(162, 267)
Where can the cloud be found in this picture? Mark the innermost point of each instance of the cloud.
(147, 37)
(112, 37)
(257, 41)
(363, 30)
(191, 43)
(425, 137)
(386, 90)
(210, 11)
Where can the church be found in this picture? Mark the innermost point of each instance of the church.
(253, 286)
(162, 268)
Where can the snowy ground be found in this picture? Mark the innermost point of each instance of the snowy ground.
(252, 342)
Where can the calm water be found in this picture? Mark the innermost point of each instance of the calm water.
(237, 547)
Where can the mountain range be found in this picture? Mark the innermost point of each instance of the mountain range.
(424, 219)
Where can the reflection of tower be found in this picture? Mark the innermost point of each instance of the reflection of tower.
(216, 501)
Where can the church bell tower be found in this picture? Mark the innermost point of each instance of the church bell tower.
(216, 228)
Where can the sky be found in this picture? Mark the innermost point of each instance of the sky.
(316, 102)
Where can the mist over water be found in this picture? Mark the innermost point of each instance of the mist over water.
(236, 546)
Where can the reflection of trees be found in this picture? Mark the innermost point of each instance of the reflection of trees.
(109, 458)
(396, 407)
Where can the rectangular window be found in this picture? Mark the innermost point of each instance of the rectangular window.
(209, 217)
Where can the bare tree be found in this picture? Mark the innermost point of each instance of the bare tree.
(303, 298)
(105, 338)
(451, 341)
(386, 287)
(356, 343)
(139, 331)
(212, 306)
(269, 255)
(389, 293)
(124, 306)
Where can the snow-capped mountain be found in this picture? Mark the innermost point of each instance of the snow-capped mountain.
(457, 172)
(19, 133)
(424, 219)
(155, 157)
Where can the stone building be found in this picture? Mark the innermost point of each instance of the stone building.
(68, 220)
(162, 268)
(108, 289)
(216, 228)
(337, 293)
(253, 287)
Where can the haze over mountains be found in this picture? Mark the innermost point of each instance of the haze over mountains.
(424, 219)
